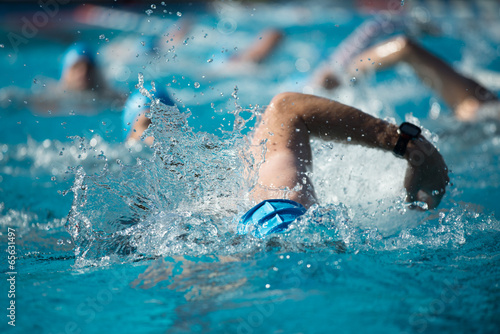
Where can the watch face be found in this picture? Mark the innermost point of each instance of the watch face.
(409, 129)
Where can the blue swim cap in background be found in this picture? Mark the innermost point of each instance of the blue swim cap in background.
(270, 216)
(75, 53)
(138, 103)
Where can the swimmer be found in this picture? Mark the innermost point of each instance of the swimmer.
(283, 184)
(135, 121)
(81, 88)
(284, 188)
(259, 50)
(134, 49)
(79, 70)
(469, 100)
(247, 61)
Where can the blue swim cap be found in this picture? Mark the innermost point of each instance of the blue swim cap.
(270, 216)
(75, 53)
(137, 104)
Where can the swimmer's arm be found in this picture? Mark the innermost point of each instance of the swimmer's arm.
(427, 174)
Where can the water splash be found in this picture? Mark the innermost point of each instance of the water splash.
(186, 198)
(183, 192)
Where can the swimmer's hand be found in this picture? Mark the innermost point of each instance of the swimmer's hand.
(427, 174)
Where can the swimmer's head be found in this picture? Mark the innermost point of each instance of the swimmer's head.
(79, 72)
(134, 117)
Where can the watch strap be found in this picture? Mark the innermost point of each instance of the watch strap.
(404, 137)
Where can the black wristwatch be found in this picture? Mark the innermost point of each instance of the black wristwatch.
(407, 132)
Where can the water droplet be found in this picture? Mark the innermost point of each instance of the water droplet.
(153, 6)
(353, 79)
(210, 60)
(196, 85)
(268, 286)
(102, 36)
(2, 46)
(149, 12)
(179, 14)
(53, 178)
(60, 242)
(35, 81)
(349, 138)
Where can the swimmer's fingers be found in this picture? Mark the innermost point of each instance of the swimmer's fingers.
(424, 184)
(412, 185)
(427, 174)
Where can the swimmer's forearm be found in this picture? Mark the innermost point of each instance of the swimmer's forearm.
(331, 120)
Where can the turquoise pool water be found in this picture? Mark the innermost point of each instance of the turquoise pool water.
(117, 238)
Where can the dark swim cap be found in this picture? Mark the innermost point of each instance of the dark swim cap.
(270, 216)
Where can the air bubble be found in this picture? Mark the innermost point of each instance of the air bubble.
(196, 85)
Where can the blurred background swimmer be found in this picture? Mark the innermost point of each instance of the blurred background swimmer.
(149, 52)
(267, 41)
(134, 117)
(81, 88)
(469, 100)
(79, 70)
(247, 60)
